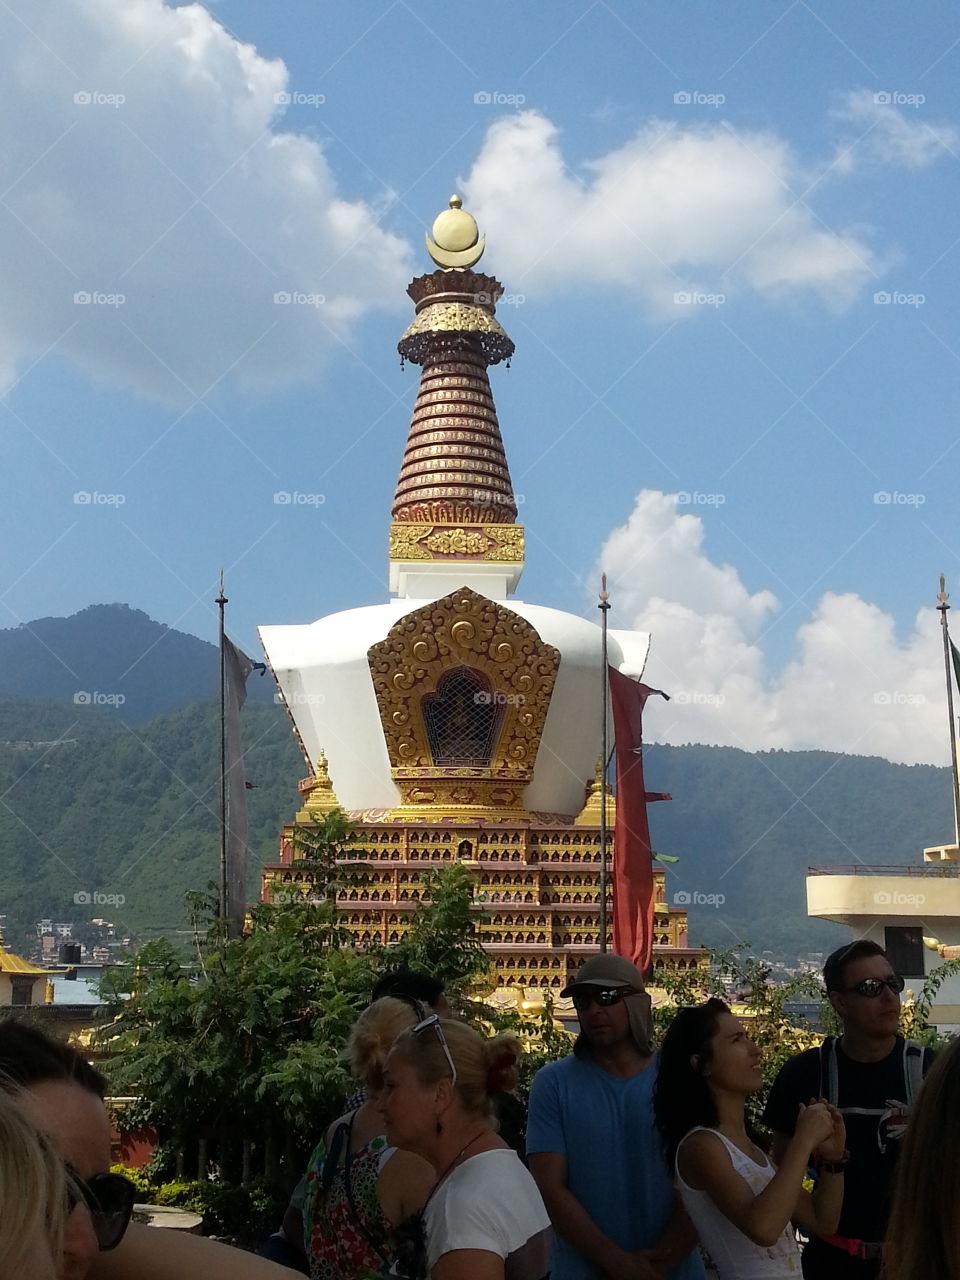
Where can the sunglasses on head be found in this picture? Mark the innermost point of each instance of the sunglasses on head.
(871, 987)
(109, 1200)
(604, 996)
(434, 1021)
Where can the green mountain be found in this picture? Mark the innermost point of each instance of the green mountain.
(113, 659)
(747, 826)
(133, 814)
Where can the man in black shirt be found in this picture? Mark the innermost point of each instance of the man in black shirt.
(872, 1074)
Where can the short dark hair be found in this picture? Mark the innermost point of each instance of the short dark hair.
(838, 960)
(408, 984)
(29, 1056)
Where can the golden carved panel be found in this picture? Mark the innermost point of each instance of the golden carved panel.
(463, 629)
(499, 543)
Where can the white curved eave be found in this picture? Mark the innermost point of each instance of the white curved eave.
(322, 671)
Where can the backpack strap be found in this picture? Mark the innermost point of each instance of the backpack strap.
(913, 1059)
(829, 1080)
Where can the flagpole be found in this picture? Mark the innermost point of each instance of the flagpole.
(942, 607)
(604, 607)
(221, 601)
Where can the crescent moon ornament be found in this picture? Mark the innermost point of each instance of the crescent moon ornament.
(456, 239)
(465, 258)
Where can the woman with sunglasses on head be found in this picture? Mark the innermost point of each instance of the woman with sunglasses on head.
(359, 1189)
(740, 1202)
(484, 1219)
(33, 1198)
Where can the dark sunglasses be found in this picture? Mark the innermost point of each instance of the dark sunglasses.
(109, 1199)
(871, 987)
(604, 996)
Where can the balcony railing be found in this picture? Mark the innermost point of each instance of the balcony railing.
(918, 870)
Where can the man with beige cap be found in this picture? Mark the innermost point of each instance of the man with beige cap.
(593, 1147)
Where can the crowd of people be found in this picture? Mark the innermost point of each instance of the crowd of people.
(640, 1163)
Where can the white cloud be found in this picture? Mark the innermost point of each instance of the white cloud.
(142, 154)
(892, 127)
(676, 209)
(852, 685)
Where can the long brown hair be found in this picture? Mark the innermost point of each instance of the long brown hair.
(923, 1238)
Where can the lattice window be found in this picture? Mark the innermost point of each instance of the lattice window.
(463, 720)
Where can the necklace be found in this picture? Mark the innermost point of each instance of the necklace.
(453, 1164)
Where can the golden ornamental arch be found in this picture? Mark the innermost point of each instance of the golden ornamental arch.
(463, 629)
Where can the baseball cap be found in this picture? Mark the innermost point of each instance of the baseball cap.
(606, 970)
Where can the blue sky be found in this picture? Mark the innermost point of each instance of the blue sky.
(814, 167)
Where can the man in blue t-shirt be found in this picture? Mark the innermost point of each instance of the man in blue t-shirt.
(593, 1147)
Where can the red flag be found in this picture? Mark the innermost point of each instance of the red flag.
(633, 859)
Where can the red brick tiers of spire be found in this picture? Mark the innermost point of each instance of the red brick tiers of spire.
(454, 466)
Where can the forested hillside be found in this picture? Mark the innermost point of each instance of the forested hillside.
(134, 812)
(746, 826)
(112, 658)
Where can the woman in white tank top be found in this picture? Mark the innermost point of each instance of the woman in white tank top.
(740, 1203)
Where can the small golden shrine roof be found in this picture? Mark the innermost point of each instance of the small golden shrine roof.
(11, 963)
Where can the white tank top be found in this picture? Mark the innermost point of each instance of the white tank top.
(735, 1255)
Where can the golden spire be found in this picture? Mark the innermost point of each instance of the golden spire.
(454, 501)
(456, 238)
(589, 815)
(318, 794)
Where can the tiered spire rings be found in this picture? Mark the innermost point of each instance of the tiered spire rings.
(454, 476)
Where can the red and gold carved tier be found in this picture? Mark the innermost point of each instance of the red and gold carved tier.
(537, 892)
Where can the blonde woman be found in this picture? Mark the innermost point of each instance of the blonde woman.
(33, 1198)
(484, 1218)
(359, 1189)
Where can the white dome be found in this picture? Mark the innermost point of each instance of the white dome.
(323, 672)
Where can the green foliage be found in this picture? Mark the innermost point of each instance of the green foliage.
(243, 1214)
